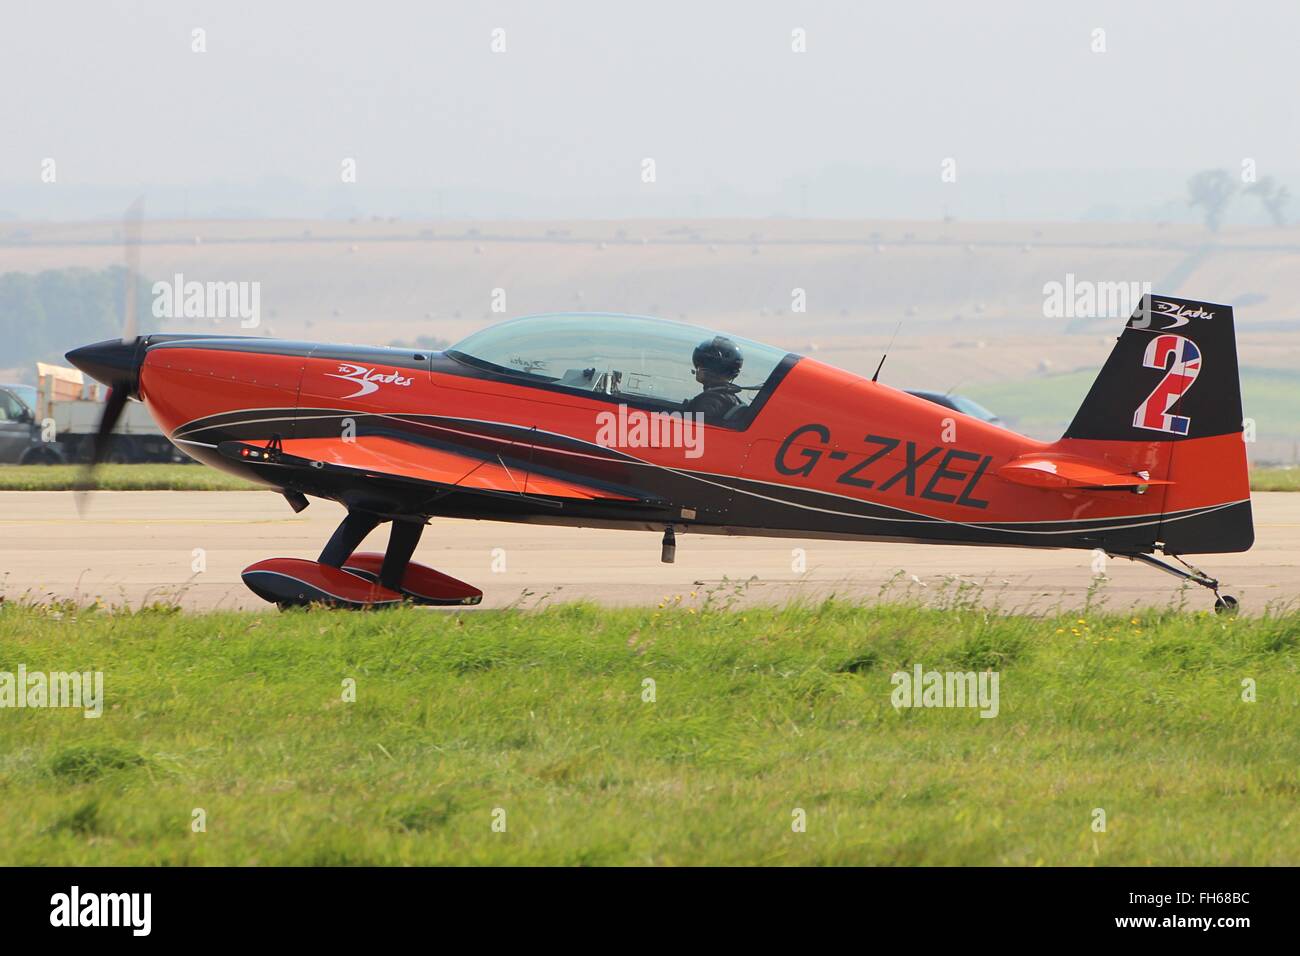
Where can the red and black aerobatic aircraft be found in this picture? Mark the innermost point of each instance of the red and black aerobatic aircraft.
(631, 422)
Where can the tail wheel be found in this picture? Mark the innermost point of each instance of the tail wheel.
(1225, 604)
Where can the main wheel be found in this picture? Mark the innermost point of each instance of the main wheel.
(1225, 604)
(41, 456)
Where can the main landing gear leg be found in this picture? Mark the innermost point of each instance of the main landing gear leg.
(395, 571)
(401, 545)
(347, 537)
(1223, 603)
(294, 582)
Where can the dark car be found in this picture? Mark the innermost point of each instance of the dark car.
(20, 434)
(960, 403)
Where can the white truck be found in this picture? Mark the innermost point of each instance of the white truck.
(64, 417)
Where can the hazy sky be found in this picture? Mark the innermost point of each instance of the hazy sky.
(560, 122)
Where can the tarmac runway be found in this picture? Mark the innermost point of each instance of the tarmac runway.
(141, 546)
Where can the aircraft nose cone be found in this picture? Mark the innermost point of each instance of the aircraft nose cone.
(113, 362)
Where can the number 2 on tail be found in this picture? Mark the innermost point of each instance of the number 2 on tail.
(1181, 373)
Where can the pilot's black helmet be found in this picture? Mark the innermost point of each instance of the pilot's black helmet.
(719, 355)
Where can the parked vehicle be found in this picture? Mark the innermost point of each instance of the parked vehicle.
(20, 435)
(55, 422)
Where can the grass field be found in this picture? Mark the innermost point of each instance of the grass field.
(543, 716)
(1046, 404)
(120, 478)
(197, 478)
(1275, 479)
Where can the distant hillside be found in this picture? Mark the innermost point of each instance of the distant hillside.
(969, 295)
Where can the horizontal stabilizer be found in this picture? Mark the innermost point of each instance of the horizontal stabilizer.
(1038, 471)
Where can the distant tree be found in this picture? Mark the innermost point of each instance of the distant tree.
(22, 319)
(1212, 189)
(46, 314)
(1273, 196)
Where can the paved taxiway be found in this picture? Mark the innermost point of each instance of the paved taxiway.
(132, 547)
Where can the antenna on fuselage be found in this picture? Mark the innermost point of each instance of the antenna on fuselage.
(887, 348)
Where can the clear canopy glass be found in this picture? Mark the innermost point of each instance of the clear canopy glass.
(624, 357)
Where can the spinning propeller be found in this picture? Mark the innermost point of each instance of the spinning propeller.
(115, 362)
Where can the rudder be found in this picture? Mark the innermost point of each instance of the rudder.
(1173, 378)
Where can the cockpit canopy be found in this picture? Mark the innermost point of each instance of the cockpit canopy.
(637, 360)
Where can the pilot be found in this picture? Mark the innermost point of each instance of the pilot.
(717, 362)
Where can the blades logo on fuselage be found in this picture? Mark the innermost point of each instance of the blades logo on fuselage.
(367, 380)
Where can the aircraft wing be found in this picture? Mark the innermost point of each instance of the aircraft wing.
(439, 469)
